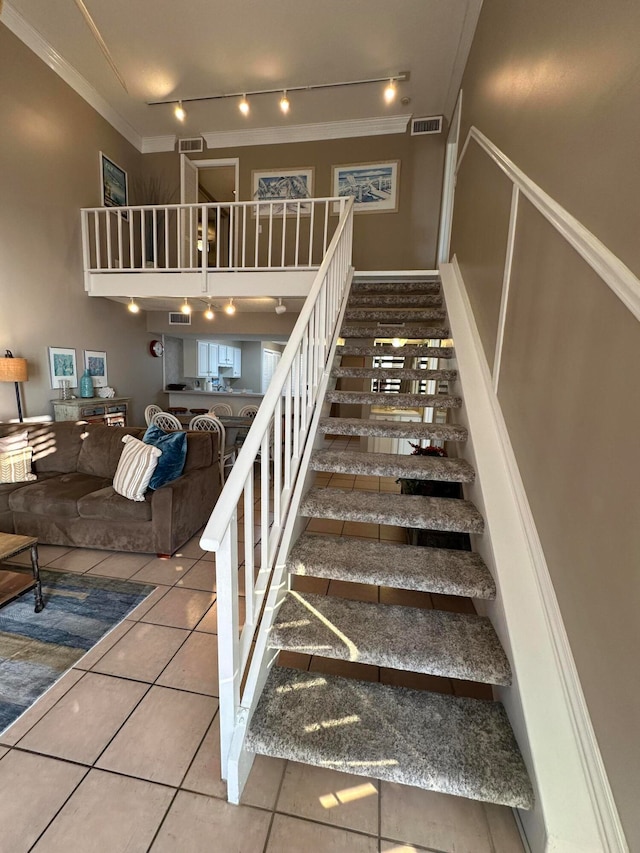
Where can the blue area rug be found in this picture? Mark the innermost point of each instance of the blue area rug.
(37, 648)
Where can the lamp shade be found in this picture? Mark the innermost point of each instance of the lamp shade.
(13, 370)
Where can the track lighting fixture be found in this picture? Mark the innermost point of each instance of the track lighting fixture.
(280, 308)
(243, 104)
(186, 308)
(390, 91)
(208, 314)
(230, 308)
(133, 306)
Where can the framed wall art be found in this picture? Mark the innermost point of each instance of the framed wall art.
(115, 191)
(95, 362)
(62, 364)
(374, 186)
(281, 184)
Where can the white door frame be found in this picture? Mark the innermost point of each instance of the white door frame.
(449, 183)
(212, 164)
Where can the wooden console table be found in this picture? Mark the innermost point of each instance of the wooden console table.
(93, 410)
(14, 583)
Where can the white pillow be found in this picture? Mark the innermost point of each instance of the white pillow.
(15, 466)
(14, 441)
(137, 463)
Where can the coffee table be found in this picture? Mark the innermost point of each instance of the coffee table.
(14, 583)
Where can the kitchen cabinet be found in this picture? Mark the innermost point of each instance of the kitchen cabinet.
(200, 359)
(225, 355)
(237, 363)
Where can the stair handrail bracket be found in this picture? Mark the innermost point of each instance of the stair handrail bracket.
(277, 440)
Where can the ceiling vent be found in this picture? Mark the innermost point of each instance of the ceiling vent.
(425, 125)
(177, 318)
(190, 146)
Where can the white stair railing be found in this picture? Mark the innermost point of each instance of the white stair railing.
(216, 237)
(277, 440)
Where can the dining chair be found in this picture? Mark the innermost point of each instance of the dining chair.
(248, 412)
(150, 411)
(221, 409)
(166, 421)
(227, 455)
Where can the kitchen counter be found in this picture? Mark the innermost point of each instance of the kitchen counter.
(205, 399)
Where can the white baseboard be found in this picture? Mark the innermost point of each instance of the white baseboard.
(575, 811)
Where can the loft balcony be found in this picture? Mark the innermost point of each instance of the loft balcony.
(237, 249)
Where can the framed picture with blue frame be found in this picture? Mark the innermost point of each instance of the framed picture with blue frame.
(374, 186)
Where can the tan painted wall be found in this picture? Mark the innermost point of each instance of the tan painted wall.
(555, 86)
(49, 169)
(402, 240)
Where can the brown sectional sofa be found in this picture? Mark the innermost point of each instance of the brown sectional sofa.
(73, 502)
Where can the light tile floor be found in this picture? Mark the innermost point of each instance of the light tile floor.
(122, 754)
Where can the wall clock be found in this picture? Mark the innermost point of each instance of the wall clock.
(156, 348)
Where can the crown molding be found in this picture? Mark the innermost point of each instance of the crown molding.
(307, 132)
(154, 144)
(33, 40)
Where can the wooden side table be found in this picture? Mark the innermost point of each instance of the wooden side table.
(14, 583)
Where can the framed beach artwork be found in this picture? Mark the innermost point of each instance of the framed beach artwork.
(62, 364)
(95, 362)
(280, 185)
(374, 186)
(113, 179)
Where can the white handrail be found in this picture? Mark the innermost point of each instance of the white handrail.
(602, 260)
(278, 438)
(176, 237)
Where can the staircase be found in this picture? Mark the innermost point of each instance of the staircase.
(453, 744)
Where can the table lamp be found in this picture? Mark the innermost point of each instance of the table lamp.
(14, 370)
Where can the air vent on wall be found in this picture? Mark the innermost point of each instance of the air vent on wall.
(189, 146)
(177, 318)
(428, 124)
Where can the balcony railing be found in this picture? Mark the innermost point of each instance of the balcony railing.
(247, 236)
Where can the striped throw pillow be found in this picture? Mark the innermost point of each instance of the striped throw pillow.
(137, 463)
(15, 466)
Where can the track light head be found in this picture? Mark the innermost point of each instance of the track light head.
(180, 112)
(208, 314)
(230, 309)
(280, 308)
(284, 102)
(243, 106)
(133, 306)
(390, 91)
(186, 308)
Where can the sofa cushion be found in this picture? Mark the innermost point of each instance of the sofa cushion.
(101, 449)
(56, 496)
(107, 505)
(200, 450)
(174, 453)
(56, 446)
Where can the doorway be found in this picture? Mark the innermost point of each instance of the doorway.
(209, 182)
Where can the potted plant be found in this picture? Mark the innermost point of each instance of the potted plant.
(434, 489)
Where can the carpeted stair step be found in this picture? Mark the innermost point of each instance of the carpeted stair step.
(407, 351)
(395, 330)
(391, 564)
(395, 401)
(394, 373)
(449, 514)
(396, 429)
(393, 465)
(429, 740)
(433, 642)
(425, 286)
(394, 300)
(393, 315)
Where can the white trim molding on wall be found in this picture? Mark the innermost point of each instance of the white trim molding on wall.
(602, 260)
(575, 810)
